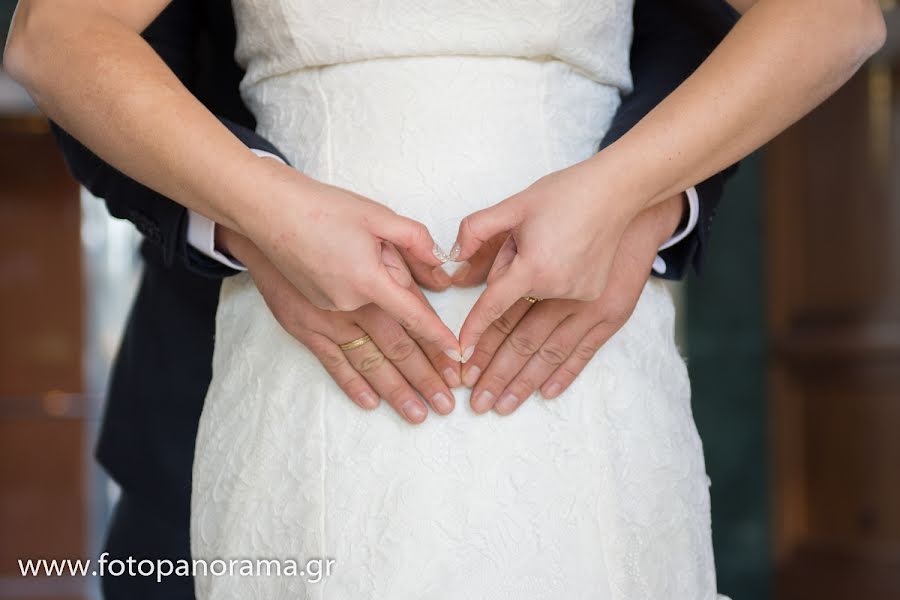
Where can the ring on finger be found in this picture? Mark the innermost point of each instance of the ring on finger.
(355, 343)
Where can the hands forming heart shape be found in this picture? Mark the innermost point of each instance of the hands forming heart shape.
(340, 249)
(558, 239)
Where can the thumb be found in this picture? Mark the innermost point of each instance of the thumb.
(481, 226)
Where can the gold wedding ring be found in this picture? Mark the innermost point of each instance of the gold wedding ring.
(532, 299)
(355, 343)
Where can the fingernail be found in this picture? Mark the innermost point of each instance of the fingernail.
(467, 354)
(368, 400)
(453, 353)
(440, 253)
(455, 251)
(452, 377)
(483, 401)
(470, 376)
(506, 404)
(442, 403)
(413, 411)
(462, 271)
(440, 276)
(553, 390)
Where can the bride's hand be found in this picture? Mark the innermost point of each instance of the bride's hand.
(329, 243)
(564, 230)
(392, 365)
(546, 345)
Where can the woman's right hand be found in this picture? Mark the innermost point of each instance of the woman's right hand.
(338, 249)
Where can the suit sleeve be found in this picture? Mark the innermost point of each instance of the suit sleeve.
(671, 39)
(162, 221)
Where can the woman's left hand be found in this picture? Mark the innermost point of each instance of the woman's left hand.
(564, 231)
(547, 344)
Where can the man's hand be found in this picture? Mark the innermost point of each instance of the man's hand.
(393, 366)
(546, 345)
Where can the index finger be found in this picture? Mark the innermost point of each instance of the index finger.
(448, 367)
(414, 314)
(495, 300)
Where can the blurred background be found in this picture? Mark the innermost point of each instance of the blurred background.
(792, 338)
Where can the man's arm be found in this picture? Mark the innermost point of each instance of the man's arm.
(672, 39)
(86, 66)
(162, 221)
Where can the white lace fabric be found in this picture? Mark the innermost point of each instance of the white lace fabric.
(437, 109)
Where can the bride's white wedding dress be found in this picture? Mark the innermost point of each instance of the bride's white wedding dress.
(438, 108)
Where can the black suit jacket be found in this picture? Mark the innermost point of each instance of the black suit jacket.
(163, 367)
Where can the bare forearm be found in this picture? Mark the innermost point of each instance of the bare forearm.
(91, 72)
(781, 60)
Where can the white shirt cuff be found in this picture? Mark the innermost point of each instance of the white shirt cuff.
(659, 265)
(201, 231)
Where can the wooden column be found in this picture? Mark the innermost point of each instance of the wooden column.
(42, 443)
(833, 245)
